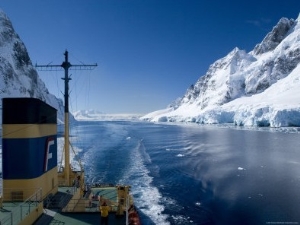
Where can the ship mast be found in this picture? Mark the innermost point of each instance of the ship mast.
(66, 65)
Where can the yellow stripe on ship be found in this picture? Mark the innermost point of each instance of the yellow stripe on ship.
(28, 130)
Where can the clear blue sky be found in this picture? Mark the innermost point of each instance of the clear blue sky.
(148, 51)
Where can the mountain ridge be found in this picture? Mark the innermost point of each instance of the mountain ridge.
(242, 75)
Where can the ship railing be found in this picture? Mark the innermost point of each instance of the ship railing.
(17, 210)
(90, 203)
(59, 199)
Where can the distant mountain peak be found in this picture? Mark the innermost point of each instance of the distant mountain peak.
(274, 38)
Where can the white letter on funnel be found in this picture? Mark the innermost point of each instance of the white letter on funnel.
(49, 155)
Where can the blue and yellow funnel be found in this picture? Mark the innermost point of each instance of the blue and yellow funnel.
(29, 148)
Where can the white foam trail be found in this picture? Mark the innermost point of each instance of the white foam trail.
(147, 197)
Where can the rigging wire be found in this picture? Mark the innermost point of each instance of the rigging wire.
(80, 87)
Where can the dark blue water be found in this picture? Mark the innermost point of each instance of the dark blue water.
(190, 174)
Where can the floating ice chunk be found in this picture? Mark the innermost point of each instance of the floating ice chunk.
(180, 155)
(128, 138)
(241, 168)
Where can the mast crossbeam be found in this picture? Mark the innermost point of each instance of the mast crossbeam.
(49, 67)
(61, 67)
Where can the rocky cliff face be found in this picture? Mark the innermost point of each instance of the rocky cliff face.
(18, 77)
(240, 73)
(221, 83)
(273, 39)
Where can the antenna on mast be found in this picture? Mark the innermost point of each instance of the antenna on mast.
(66, 65)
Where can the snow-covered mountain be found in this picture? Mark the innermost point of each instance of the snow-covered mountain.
(18, 77)
(259, 88)
(94, 115)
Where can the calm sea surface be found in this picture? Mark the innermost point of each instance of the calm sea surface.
(190, 174)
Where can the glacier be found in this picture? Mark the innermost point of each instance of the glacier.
(94, 115)
(260, 88)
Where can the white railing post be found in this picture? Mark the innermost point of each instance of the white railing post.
(127, 207)
(21, 209)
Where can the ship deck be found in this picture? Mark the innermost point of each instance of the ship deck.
(86, 210)
(77, 218)
(62, 208)
(9, 211)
